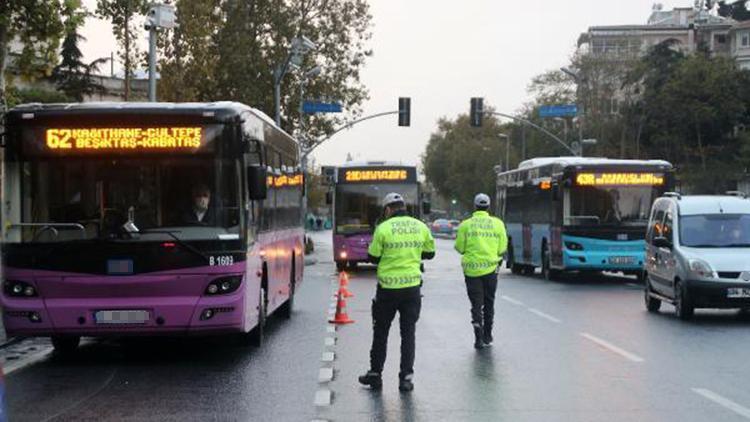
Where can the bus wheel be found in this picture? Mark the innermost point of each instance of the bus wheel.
(516, 269)
(352, 266)
(548, 273)
(340, 265)
(652, 304)
(256, 335)
(286, 309)
(528, 269)
(65, 345)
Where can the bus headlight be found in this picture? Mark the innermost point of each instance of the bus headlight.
(16, 288)
(574, 246)
(224, 285)
(343, 255)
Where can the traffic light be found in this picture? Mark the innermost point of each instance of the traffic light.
(477, 111)
(404, 111)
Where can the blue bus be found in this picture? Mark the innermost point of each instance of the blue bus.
(579, 214)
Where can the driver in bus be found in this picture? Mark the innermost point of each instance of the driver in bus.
(200, 212)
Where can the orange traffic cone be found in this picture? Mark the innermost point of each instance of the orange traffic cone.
(343, 283)
(341, 316)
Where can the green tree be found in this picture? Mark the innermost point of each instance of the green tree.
(228, 49)
(72, 76)
(123, 15)
(37, 25)
(459, 159)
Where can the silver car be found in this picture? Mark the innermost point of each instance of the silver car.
(698, 253)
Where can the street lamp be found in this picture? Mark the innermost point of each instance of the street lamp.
(591, 142)
(507, 150)
(159, 16)
(300, 47)
(315, 71)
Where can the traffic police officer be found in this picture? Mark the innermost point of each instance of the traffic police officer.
(399, 245)
(482, 241)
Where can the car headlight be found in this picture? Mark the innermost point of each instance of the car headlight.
(701, 268)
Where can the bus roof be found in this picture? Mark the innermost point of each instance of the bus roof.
(374, 164)
(223, 110)
(586, 161)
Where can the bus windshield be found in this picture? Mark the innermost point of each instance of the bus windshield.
(611, 205)
(189, 198)
(359, 208)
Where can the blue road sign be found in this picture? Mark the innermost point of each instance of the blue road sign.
(564, 110)
(312, 107)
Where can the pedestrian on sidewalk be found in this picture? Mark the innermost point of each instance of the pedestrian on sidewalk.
(398, 246)
(482, 241)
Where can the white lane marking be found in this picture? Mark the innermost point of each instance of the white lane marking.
(27, 360)
(723, 401)
(545, 316)
(330, 341)
(632, 285)
(511, 300)
(323, 398)
(612, 348)
(325, 375)
(328, 357)
(331, 329)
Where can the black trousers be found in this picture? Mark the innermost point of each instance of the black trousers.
(481, 291)
(408, 303)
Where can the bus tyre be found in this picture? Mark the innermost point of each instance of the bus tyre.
(547, 272)
(514, 268)
(65, 345)
(683, 307)
(256, 335)
(340, 265)
(652, 304)
(288, 307)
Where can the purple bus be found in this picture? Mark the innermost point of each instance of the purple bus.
(358, 190)
(148, 219)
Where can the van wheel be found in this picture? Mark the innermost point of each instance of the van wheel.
(652, 304)
(256, 335)
(65, 345)
(682, 304)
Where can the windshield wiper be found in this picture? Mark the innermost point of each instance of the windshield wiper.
(737, 245)
(705, 246)
(181, 242)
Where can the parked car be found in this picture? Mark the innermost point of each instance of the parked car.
(697, 253)
(441, 226)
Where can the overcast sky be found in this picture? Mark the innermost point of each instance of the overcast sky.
(440, 53)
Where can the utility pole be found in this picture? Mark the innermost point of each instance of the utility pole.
(159, 16)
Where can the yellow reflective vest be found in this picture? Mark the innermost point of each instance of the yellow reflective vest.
(482, 241)
(399, 242)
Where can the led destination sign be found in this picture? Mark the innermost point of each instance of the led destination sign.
(128, 139)
(377, 175)
(619, 179)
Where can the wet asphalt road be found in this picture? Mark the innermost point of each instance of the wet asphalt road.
(576, 350)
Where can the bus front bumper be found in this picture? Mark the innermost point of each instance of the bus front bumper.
(97, 317)
(603, 260)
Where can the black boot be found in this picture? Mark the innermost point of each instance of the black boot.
(405, 384)
(478, 337)
(373, 379)
(487, 338)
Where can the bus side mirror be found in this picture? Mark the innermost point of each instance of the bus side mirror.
(329, 198)
(257, 183)
(426, 208)
(555, 192)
